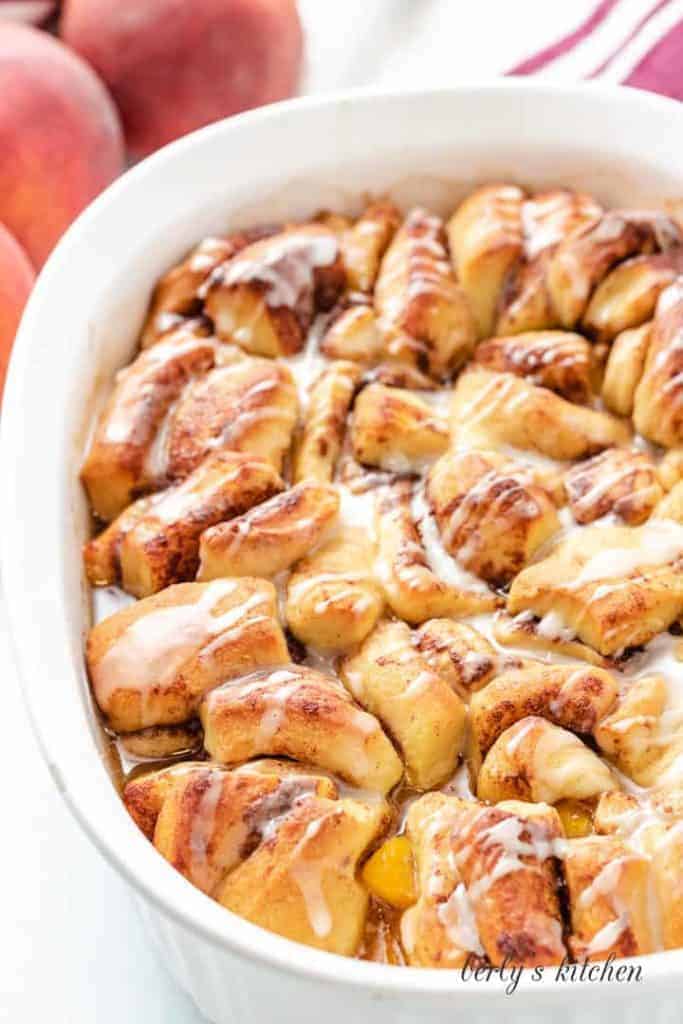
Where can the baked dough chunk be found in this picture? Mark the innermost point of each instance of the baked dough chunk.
(279, 848)
(615, 587)
(115, 467)
(298, 712)
(557, 360)
(491, 514)
(575, 698)
(155, 542)
(272, 536)
(364, 244)
(333, 598)
(325, 423)
(584, 258)
(621, 481)
(396, 430)
(423, 313)
(624, 369)
(490, 409)
(176, 294)
(458, 653)
(658, 404)
(152, 662)
(412, 589)
(426, 718)
(354, 335)
(671, 505)
(547, 219)
(487, 881)
(627, 297)
(248, 406)
(264, 298)
(644, 733)
(652, 826)
(485, 239)
(670, 468)
(538, 761)
(609, 899)
(547, 634)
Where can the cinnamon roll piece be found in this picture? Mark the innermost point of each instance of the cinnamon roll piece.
(458, 653)
(365, 243)
(354, 335)
(412, 589)
(557, 360)
(270, 537)
(627, 297)
(295, 711)
(538, 761)
(486, 241)
(624, 368)
(115, 468)
(423, 313)
(151, 663)
(324, 428)
(264, 299)
(619, 481)
(658, 403)
(491, 409)
(491, 513)
(333, 598)
(426, 718)
(155, 542)
(395, 430)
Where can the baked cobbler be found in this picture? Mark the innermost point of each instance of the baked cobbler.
(390, 512)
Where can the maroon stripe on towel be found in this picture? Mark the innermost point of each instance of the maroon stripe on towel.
(632, 34)
(661, 69)
(568, 42)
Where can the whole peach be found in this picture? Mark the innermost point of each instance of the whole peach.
(174, 65)
(16, 281)
(60, 137)
(33, 12)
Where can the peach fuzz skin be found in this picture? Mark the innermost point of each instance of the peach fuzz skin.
(16, 281)
(173, 66)
(60, 137)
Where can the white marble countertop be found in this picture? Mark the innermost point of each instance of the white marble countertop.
(72, 950)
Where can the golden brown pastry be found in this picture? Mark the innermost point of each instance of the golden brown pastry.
(485, 238)
(557, 360)
(265, 297)
(423, 313)
(115, 467)
(548, 635)
(425, 717)
(658, 405)
(644, 733)
(458, 653)
(247, 406)
(620, 481)
(325, 424)
(155, 542)
(280, 849)
(491, 514)
(354, 335)
(396, 430)
(615, 587)
(574, 697)
(671, 505)
(151, 663)
(627, 297)
(584, 258)
(624, 369)
(160, 742)
(333, 598)
(670, 468)
(364, 244)
(547, 219)
(609, 899)
(412, 589)
(272, 536)
(491, 409)
(295, 711)
(538, 761)
(488, 883)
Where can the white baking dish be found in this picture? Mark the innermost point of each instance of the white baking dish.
(80, 326)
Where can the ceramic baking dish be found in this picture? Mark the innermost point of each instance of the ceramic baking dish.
(80, 326)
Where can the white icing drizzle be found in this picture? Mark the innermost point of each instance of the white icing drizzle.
(285, 265)
(441, 563)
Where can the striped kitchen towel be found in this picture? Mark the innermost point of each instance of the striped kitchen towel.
(637, 42)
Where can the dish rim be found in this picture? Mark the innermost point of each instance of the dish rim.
(114, 834)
